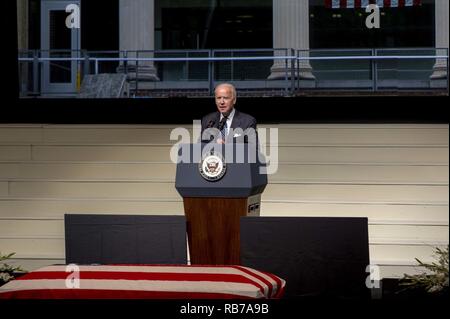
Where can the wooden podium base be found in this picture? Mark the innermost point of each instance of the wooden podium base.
(213, 226)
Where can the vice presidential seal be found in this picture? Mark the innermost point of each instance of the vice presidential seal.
(212, 167)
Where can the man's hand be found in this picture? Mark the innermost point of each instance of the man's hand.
(220, 141)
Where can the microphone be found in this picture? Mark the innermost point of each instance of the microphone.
(211, 124)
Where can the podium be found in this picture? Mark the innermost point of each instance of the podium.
(219, 184)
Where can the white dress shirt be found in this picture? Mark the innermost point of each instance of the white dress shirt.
(229, 120)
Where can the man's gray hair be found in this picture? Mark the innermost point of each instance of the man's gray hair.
(231, 86)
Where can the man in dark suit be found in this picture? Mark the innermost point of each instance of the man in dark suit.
(228, 125)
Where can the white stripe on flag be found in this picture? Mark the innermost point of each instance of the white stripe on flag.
(364, 3)
(380, 3)
(394, 3)
(350, 3)
(275, 287)
(409, 3)
(336, 4)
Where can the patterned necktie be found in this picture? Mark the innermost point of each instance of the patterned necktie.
(223, 131)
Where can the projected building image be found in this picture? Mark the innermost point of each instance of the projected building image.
(164, 48)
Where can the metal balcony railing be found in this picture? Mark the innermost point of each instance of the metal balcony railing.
(258, 72)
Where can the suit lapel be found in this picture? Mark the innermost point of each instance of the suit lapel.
(234, 124)
(236, 120)
(217, 120)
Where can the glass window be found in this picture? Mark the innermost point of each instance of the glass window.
(345, 27)
(205, 24)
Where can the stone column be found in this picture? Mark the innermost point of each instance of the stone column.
(441, 22)
(137, 32)
(22, 41)
(22, 24)
(290, 30)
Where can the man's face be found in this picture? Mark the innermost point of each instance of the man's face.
(224, 99)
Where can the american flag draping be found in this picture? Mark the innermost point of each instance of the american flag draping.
(146, 282)
(337, 4)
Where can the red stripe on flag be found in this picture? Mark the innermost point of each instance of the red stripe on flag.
(279, 284)
(386, 3)
(264, 280)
